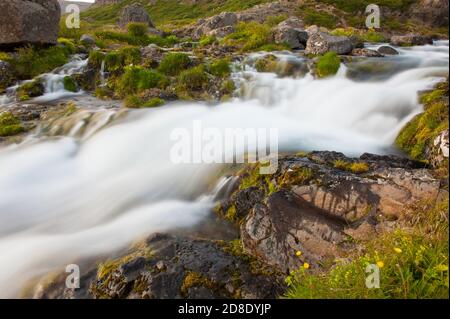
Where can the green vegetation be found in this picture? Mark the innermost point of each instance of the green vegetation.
(9, 124)
(96, 58)
(29, 90)
(358, 6)
(193, 279)
(249, 36)
(328, 64)
(135, 101)
(169, 12)
(31, 61)
(70, 84)
(354, 167)
(194, 78)
(173, 63)
(363, 35)
(413, 263)
(312, 16)
(420, 132)
(134, 37)
(137, 79)
(207, 40)
(267, 63)
(220, 68)
(136, 29)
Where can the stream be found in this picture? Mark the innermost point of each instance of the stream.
(68, 198)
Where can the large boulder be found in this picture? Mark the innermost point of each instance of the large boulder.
(411, 39)
(134, 13)
(315, 201)
(28, 22)
(387, 50)
(219, 25)
(321, 43)
(291, 32)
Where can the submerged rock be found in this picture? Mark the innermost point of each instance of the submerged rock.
(387, 50)
(321, 43)
(28, 22)
(410, 40)
(366, 53)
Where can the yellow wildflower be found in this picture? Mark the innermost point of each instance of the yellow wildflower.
(442, 268)
(380, 264)
(397, 250)
(306, 265)
(298, 253)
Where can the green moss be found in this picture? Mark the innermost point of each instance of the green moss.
(220, 67)
(155, 102)
(194, 279)
(354, 167)
(194, 78)
(70, 84)
(312, 16)
(9, 124)
(68, 44)
(296, 176)
(328, 64)
(421, 131)
(29, 90)
(174, 63)
(268, 63)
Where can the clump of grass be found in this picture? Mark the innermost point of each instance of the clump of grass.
(312, 16)
(137, 79)
(137, 29)
(194, 78)
(249, 36)
(9, 124)
(193, 279)
(328, 64)
(413, 264)
(96, 58)
(297, 176)
(130, 55)
(154, 102)
(173, 63)
(220, 67)
(114, 61)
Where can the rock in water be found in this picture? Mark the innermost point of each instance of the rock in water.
(321, 43)
(411, 39)
(387, 50)
(134, 13)
(28, 22)
(291, 33)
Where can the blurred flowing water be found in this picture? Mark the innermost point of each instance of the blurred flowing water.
(68, 198)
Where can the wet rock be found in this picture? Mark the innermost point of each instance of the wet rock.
(410, 40)
(134, 13)
(30, 89)
(321, 43)
(387, 50)
(174, 267)
(28, 22)
(366, 53)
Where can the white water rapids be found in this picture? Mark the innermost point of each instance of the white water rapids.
(63, 199)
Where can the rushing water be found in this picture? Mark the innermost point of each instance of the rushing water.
(65, 199)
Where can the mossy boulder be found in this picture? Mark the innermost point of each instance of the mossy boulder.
(267, 63)
(328, 64)
(9, 124)
(70, 84)
(30, 89)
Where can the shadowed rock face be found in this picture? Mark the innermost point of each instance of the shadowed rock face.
(172, 267)
(28, 22)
